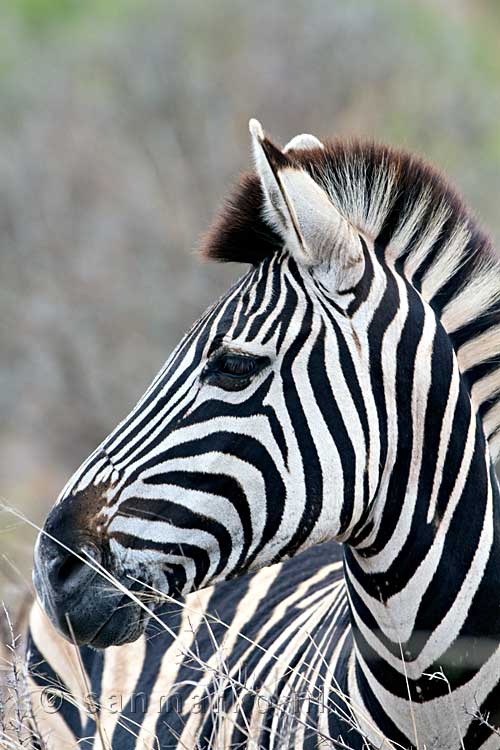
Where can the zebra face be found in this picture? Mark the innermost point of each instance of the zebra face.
(250, 444)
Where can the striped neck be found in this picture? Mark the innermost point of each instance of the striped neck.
(422, 572)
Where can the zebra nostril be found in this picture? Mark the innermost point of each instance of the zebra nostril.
(72, 572)
(68, 571)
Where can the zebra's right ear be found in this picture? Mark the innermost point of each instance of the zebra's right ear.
(302, 213)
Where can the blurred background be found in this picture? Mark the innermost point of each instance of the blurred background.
(122, 125)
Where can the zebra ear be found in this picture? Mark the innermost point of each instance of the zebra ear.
(301, 211)
(303, 142)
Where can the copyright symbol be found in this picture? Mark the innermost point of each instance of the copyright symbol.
(51, 700)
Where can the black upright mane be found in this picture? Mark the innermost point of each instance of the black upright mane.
(427, 232)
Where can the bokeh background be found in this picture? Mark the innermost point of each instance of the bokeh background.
(122, 124)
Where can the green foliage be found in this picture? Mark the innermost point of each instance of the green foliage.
(41, 16)
(38, 13)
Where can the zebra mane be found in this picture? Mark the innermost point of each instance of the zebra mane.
(424, 228)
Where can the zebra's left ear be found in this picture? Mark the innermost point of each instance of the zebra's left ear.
(302, 213)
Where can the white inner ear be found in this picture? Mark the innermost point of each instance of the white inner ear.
(327, 238)
(279, 213)
(303, 142)
(313, 229)
(325, 232)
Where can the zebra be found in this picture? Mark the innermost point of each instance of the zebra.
(293, 537)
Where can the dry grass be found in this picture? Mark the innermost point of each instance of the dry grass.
(18, 726)
(19, 731)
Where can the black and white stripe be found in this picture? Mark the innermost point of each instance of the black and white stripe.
(345, 390)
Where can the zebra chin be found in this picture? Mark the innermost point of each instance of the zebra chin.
(100, 617)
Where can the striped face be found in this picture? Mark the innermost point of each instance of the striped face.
(249, 445)
(272, 427)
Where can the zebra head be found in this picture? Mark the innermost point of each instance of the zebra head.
(262, 434)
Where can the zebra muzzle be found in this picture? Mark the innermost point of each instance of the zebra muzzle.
(81, 597)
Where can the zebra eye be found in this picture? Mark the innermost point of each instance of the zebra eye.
(232, 370)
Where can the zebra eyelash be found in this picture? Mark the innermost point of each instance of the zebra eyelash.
(232, 370)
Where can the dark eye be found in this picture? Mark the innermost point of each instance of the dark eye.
(232, 370)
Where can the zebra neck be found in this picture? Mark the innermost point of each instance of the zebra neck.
(425, 604)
